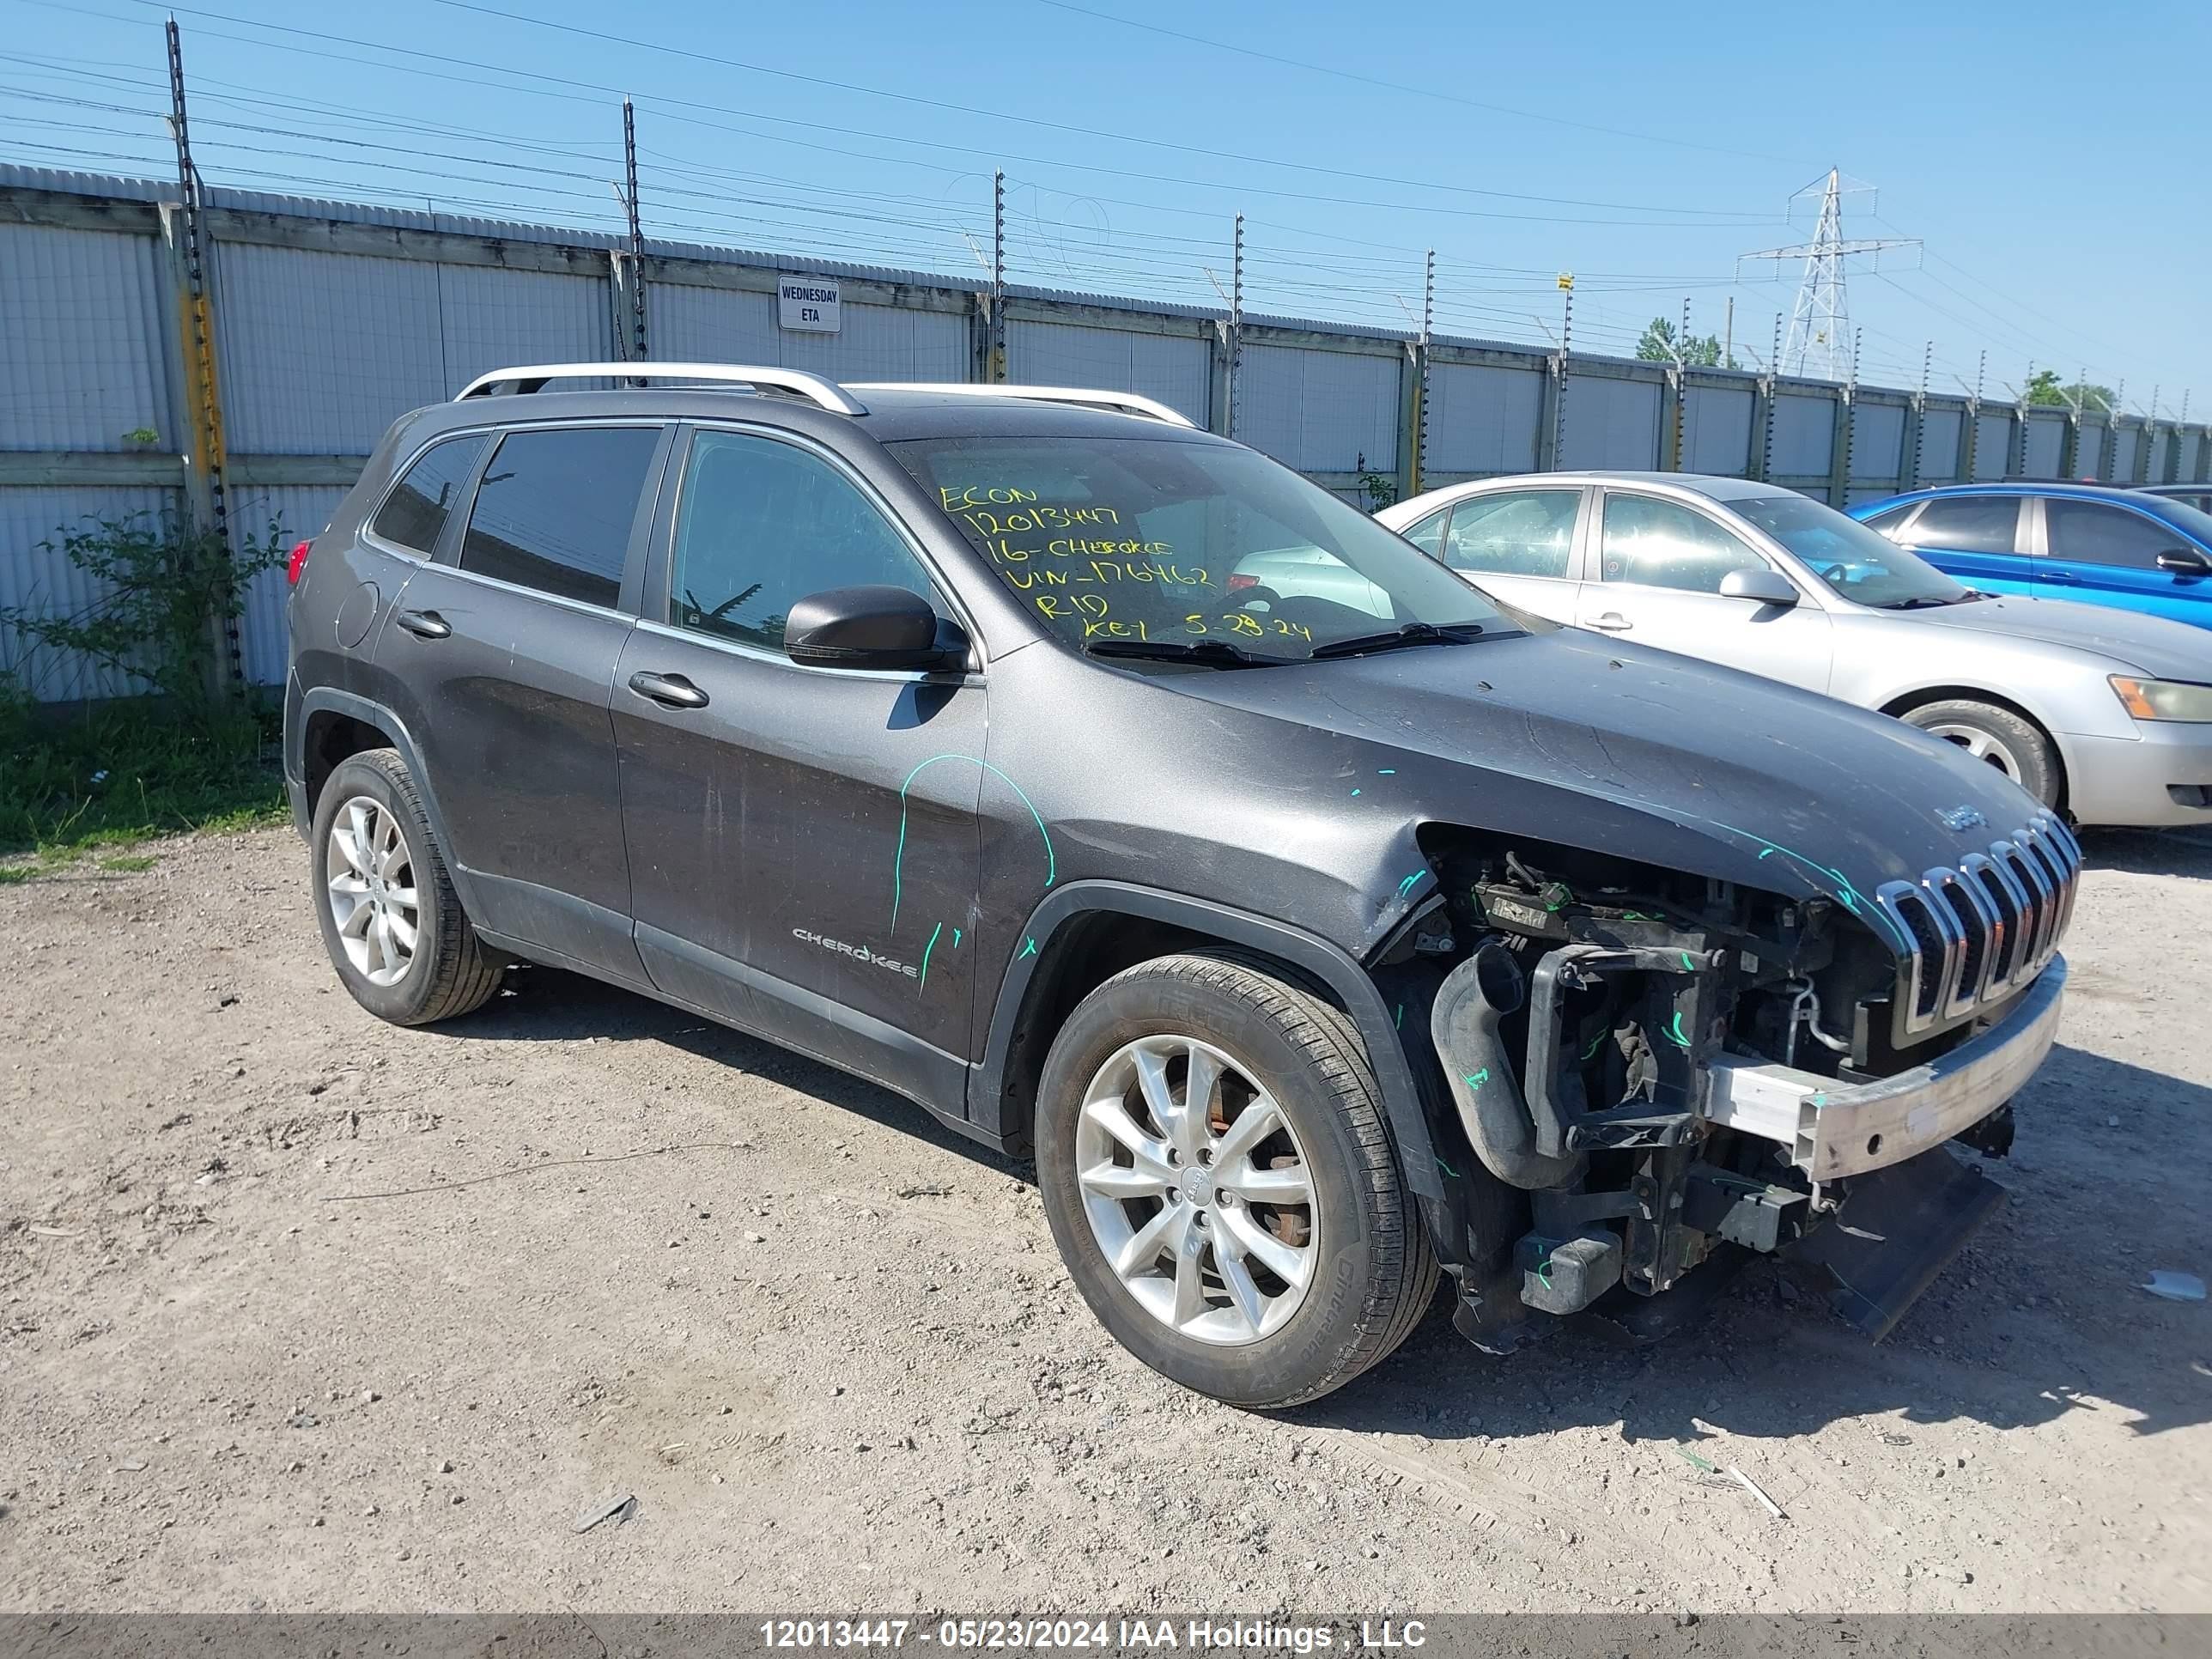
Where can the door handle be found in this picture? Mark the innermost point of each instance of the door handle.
(424, 624)
(2055, 576)
(1613, 621)
(669, 691)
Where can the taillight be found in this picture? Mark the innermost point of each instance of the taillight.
(298, 561)
(1238, 581)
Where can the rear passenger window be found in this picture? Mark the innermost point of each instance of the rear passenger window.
(414, 514)
(1517, 533)
(555, 509)
(1968, 524)
(764, 523)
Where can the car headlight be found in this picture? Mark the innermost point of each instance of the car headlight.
(2164, 700)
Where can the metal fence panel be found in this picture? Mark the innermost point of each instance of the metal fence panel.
(1938, 445)
(81, 339)
(2089, 451)
(1319, 411)
(320, 352)
(1176, 369)
(1483, 418)
(295, 511)
(491, 319)
(2162, 450)
(1878, 441)
(1804, 434)
(1716, 430)
(38, 579)
(2046, 443)
(2125, 442)
(2191, 454)
(1992, 446)
(692, 324)
(1610, 424)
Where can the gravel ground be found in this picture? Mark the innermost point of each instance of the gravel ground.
(301, 1311)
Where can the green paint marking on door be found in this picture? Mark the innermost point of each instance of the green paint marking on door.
(925, 950)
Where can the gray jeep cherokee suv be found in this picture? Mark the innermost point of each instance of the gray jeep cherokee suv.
(1309, 940)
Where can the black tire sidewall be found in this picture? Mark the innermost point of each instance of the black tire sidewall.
(403, 1002)
(2039, 762)
(1309, 1353)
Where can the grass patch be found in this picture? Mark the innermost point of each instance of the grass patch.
(123, 772)
(13, 875)
(129, 864)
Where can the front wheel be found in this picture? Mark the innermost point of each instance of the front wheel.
(1215, 1164)
(1997, 737)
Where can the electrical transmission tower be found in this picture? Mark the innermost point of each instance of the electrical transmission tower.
(1820, 343)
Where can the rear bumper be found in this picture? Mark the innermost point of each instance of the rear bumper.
(2129, 780)
(1835, 1130)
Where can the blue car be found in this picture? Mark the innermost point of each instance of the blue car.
(2061, 541)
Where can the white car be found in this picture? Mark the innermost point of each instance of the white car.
(2105, 713)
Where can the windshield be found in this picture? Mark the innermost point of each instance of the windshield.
(1146, 542)
(1862, 565)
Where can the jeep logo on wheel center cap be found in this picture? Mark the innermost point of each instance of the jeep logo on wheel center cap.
(1198, 1186)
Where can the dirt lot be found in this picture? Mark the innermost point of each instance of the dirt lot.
(303, 1312)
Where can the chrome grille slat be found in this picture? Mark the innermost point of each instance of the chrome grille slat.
(1981, 930)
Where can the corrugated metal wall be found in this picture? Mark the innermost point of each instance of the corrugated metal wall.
(1716, 429)
(333, 318)
(1175, 370)
(1483, 419)
(1321, 411)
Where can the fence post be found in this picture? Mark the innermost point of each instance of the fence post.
(1840, 442)
(1413, 428)
(637, 349)
(184, 238)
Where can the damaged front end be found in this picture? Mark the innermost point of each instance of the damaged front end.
(1648, 1072)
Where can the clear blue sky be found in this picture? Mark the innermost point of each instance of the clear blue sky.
(2056, 167)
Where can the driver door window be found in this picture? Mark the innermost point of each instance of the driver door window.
(1663, 564)
(763, 524)
(1656, 544)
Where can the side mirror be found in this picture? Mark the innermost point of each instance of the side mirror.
(1760, 586)
(2184, 561)
(872, 626)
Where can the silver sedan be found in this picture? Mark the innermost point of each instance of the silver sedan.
(2105, 713)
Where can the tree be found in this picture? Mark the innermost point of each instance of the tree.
(2043, 388)
(1657, 346)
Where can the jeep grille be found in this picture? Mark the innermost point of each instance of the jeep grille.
(1981, 932)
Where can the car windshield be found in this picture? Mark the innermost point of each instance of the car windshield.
(1862, 565)
(1139, 546)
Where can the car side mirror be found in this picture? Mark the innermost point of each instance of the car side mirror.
(1760, 586)
(2184, 561)
(874, 627)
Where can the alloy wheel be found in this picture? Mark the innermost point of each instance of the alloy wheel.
(368, 872)
(1197, 1190)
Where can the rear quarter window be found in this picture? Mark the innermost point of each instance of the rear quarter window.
(414, 514)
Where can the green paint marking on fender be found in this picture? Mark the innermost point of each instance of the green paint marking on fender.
(925, 950)
(1688, 966)
(956, 938)
(1399, 1020)
(1388, 772)
(1028, 949)
(1597, 1043)
(1476, 1079)
(1406, 885)
(898, 858)
(1355, 792)
(1674, 1031)
(1448, 1168)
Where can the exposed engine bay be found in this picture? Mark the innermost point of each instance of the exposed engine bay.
(1652, 1070)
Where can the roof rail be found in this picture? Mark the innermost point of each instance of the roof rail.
(1128, 402)
(822, 393)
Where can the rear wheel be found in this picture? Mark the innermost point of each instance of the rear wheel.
(391, 920)
(1219, 1179)
(1998, 737)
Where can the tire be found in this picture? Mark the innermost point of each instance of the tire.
(2000, 738)
(1281, 1302)
(445, 972)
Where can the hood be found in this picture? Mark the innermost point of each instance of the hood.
(1622, 750)
(2153, 646)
